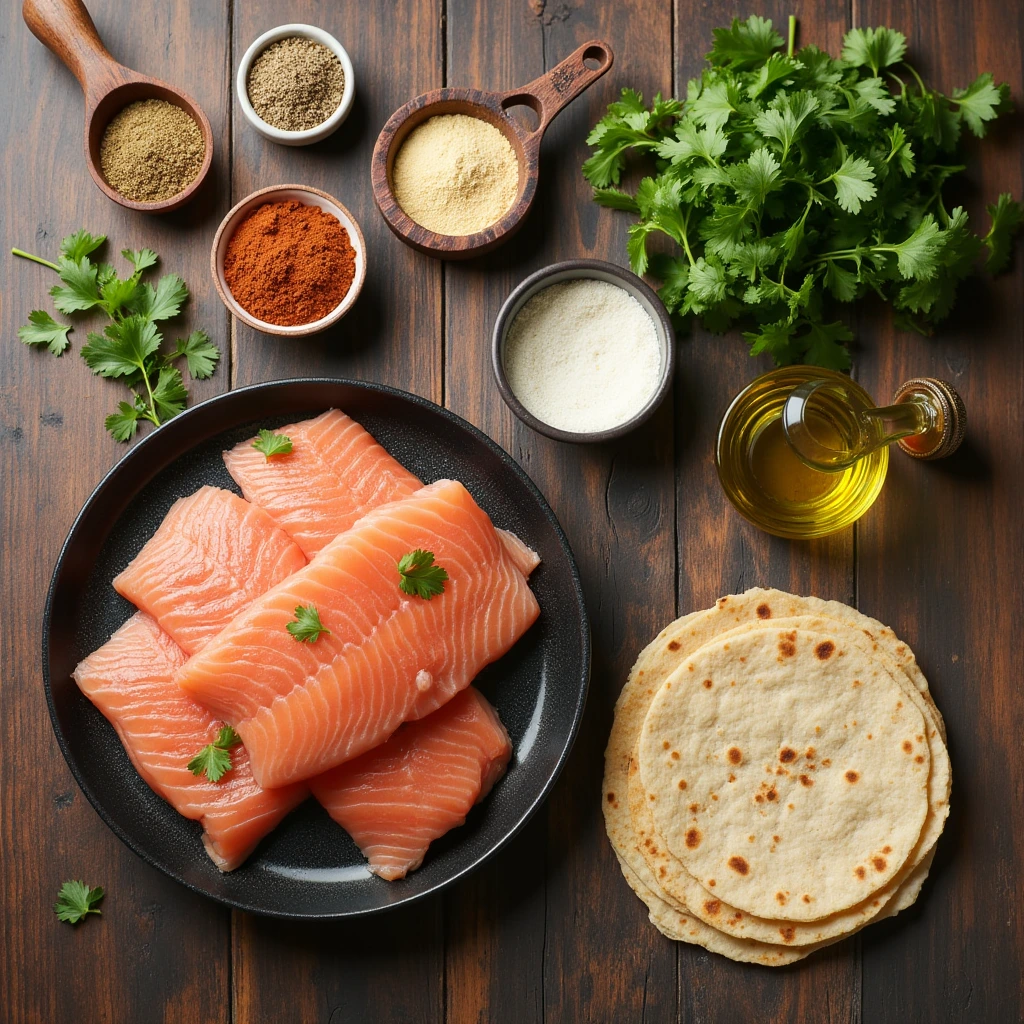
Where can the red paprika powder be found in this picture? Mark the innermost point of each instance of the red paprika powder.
(289, 264)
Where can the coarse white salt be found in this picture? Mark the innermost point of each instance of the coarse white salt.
(583, 356)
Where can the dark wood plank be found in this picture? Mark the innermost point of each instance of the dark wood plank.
(156, 945)
(392, 333)
(940, 559)
(720, 553)
(550, 930)
(391, 967)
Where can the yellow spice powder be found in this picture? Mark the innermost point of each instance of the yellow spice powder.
(456, 174)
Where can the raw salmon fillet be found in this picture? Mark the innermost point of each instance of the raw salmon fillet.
(131, 680)
(335, 474)
(396, 799)
(213, 554)
(302, 708)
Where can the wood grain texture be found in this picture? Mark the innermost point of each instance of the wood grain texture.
(721, 553)
(941, 560)
(580, 947)
(158, 952)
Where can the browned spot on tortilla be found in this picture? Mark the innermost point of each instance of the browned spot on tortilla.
(764, 611)
(806, 898)
(759, 798)
(806, 780)
(708, 684)
(711, 883)
(879, 863)
(824, 650)
(665, 745)
(776, 839)
(739, 865)
(809, 753)
(682, 783)
(714, 796)
(920, 739)
(750, 839)
(611, 798)
(859, 872)
(694, 808)
(674, 645)
(787, 648)
(662, 872)
(781, 897)
(919, 759)
(772, 794)
(732, 778)
(721, 602)
(788, 933)
(693, 838)
(675, 755)
(647, 843)
(899, 703)
(790, 806)
(651, 796)
(851, 776)
(787, 754)
(826, 761)
(743, 659)
(856, 682)
(886, 849)
(712, 907)
(734, 754)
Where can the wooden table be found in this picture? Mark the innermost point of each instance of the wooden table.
(548, 930)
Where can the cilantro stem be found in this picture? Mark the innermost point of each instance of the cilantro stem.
(920, 84)
(685, 241)
(35, 259)
(792, 35)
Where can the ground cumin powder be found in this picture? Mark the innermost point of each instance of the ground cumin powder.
(151, 150)
(289, 264)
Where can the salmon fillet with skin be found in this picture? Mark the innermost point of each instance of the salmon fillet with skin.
(396, 799)
(212, 555)
(303, 708)
(131, 680)
(335, 473)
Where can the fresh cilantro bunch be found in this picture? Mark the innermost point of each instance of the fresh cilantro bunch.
(793, 182)
(129, 347)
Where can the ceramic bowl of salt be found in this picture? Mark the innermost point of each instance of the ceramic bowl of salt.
(583, 351)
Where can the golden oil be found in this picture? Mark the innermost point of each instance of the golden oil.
(771, 485)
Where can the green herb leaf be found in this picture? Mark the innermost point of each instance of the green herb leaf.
(169, 394)
(162, 302)
(214, 760)
(116, 293)
(122, 349)
(419, 577)
(125, 422)
(201, 355)
(80, 290)
(77, 246)
(76, 900)
(141, 259)
(1007, 216)
(307, 626)
(42, 329)
(270, 443)
(853, 183)
(875, 48)
(744, 44)
(981, 101)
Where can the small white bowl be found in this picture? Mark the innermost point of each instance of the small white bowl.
(320, 131)
(279, 194)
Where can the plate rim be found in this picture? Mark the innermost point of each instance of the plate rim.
(133, 456)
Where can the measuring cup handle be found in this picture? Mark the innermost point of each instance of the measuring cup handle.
(66, 28)
(561, 85)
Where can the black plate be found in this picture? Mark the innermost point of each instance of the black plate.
(309, 867)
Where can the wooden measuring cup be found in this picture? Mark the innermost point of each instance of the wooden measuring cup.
(65, 27)
(545, 96)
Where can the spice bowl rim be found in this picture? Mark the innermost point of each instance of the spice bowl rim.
(581, 269)
(306, 136)
(226, 230)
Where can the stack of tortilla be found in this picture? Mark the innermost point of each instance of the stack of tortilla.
(776, 777)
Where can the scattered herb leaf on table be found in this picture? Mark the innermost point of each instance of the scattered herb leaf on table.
(794, 182)
(75, 900)
(129, 347)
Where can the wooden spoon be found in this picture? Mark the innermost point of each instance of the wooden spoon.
(65, 27)
(546, 96)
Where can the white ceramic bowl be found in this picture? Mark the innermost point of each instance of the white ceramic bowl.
(321, 131)
(277, 194)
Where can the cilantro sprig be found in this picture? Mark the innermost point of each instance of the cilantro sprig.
(307, 625)
(419, 577)
(75, 900)
(794, 182)
(129, 347)
(270, 443)
(214, 760)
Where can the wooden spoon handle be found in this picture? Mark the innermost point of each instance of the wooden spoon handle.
(66, 28)
(547, 95)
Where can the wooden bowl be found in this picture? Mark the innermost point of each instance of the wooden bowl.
(574, 270)
(545, 96)
(278, 194)
(66, 28)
